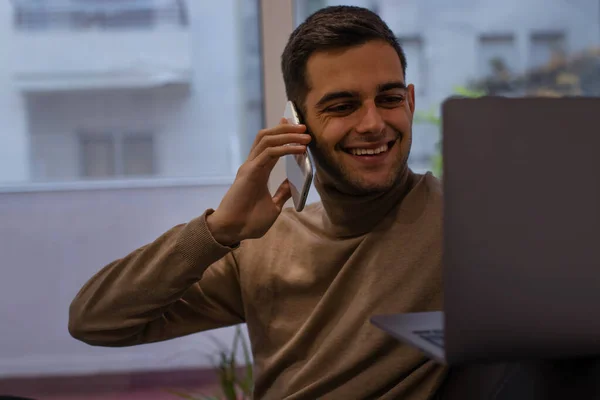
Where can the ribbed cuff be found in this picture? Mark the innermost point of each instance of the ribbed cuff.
(197, 245)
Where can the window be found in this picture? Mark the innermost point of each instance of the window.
(189, 72)
(303, 8)
(498, 55)
(138, 155)
(111, 155)
(307, 7)
(98, 157)
(545, 46)
(98, 14)
(416, 73)
(253, 120)
(464, 46)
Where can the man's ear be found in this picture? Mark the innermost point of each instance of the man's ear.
(302, 111)
(410, 92)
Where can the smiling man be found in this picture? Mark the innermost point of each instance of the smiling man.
(356, 100)
(305, 283)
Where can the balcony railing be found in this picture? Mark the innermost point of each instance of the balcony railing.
(99, 15)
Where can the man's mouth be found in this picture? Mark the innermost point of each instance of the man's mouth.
(370, 151)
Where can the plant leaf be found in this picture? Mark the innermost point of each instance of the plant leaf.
(220, 345)
(228, 387)
(429, 117)
(249, 378)
(466, 92)
(236, 339)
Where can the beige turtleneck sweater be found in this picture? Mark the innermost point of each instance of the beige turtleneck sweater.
(306, 291)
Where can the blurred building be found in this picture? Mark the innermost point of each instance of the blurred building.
(453, 43)
(98, 89)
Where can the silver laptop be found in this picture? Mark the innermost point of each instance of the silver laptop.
(521, 234)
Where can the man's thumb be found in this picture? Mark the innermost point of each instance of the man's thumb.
(283, 194)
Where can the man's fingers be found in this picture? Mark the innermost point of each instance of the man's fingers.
(283, 194)
(278, 130)
(265, 162)
(268, 158)
(279, 140)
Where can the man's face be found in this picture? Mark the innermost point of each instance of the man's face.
(360, 112)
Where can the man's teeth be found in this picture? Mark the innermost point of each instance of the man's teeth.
(361, 152)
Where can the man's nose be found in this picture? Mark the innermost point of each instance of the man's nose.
(371, 119)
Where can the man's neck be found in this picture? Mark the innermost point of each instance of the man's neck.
(356, 214)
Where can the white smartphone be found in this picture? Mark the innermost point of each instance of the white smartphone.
(299, 168)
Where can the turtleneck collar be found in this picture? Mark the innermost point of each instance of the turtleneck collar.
(348, 215)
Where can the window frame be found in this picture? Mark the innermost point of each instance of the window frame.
(118, 140)
(545, 36)
(277, 23)
(497, 37)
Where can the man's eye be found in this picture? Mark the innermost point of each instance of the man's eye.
(340, 108)
(391, 100)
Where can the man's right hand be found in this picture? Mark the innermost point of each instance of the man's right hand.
(248, 210)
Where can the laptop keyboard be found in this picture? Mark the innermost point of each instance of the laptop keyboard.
(433, 336)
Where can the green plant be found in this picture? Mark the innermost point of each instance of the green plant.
(236, 382)
(432, 116)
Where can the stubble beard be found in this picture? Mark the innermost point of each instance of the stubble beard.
(349, 182)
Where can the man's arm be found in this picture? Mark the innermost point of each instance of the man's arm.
(187, 280)
(183, 282)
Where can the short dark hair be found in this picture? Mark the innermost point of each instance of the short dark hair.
(330, 28)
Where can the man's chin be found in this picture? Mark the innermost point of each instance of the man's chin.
(366, 186)
(346, 179)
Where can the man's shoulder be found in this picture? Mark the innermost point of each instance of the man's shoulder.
(291, 229)
(424, 201)
(433, 184)
(429, 183)
(291, 226)
(311, 216)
